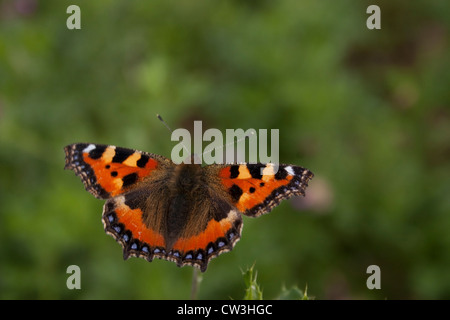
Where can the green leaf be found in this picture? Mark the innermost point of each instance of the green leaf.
(252, 289)
(294, 293)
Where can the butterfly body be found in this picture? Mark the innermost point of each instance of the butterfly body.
(185, 213)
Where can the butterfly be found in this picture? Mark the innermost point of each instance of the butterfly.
(185, 213)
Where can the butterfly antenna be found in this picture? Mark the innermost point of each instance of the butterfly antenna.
(164, 123)
(248, 135)
(171, 131)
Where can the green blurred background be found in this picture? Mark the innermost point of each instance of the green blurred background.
(366, 110)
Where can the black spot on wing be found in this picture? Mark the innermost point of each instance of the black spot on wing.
(255, 170)
(235, 192)
(234, 172)
(97, 152)
(142, 161)
(129, 179)
(122, 154)
(281, 174)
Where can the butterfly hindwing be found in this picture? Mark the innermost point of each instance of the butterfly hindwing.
(123, 219)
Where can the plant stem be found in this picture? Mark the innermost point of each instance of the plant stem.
(196, 279)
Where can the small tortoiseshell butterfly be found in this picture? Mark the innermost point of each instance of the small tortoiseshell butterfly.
(183, 213)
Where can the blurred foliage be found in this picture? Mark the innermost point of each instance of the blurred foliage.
(366, 110)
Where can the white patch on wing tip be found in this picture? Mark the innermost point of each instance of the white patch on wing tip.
(89, 148)
(290, 170)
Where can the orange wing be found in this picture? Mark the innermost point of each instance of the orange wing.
(124, 219)
(107, 171)
(256, 188)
